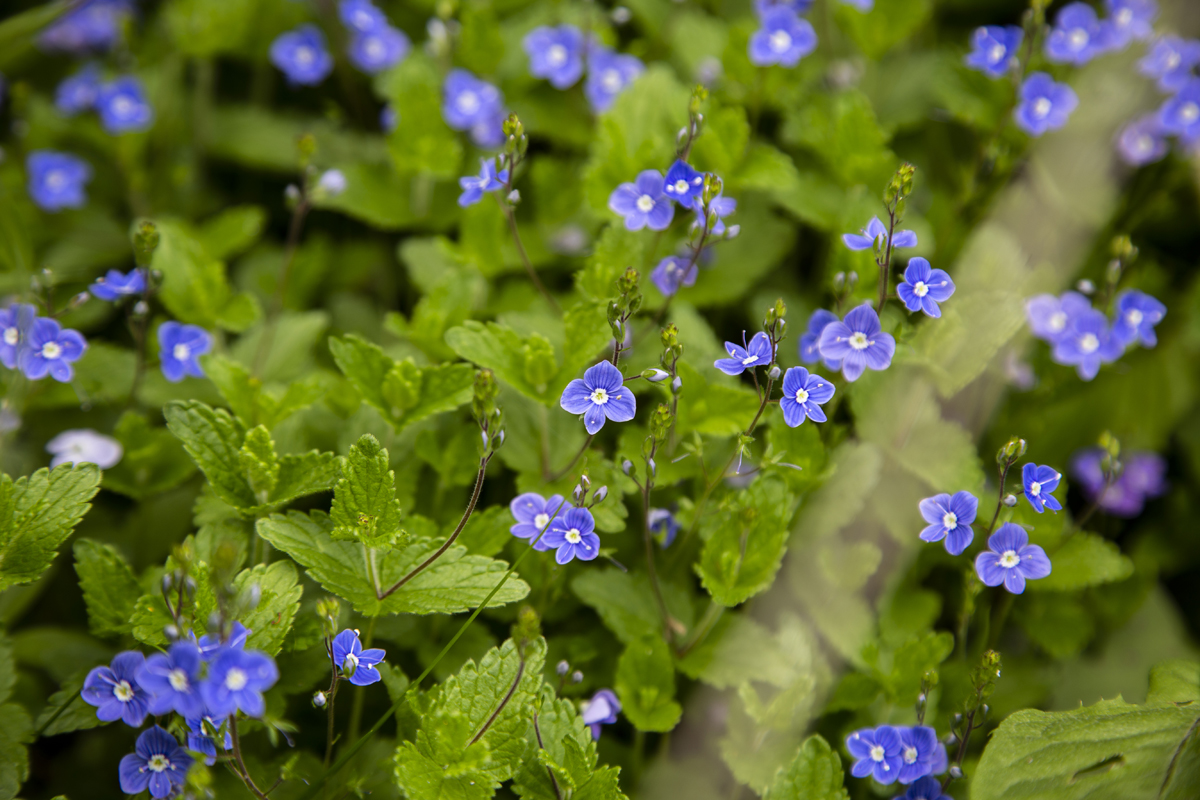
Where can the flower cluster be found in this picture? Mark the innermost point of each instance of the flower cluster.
(555, 524)
(121, 103)
(1171, 63)
(92, 26)
(38, 346)
(1121, 492)
(891, 754)
(785, 37)
(374, 44)
(560, 55)
(474, 105)
(1083, 337)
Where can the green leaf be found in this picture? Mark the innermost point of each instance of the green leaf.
(625, 601)
(110, 589)
(745, 541)
(153, 460)
(253, 136)
(195, 287)
(717, 409)
(252, 402)
(814, 774)
(560, 744)
(1176, 681)
(739, 650)
(488, 531)
(912, 660)
(15, 728)
(646, 685)
(456, 581)
(37, 514)
(1084, 559)
(424, 143)
(232, 231)
(841, 129)
(17, 36)
(65, 710)
(617, 248)
(291, 341)
(365, 508)
(884, 26)
(258, 462)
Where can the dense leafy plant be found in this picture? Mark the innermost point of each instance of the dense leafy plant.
(369, 355)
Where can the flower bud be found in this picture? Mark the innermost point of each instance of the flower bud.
(140, 308)
(563, 667)
(171, 632)
(1010, 500)
(655, 375)
(620, 15)
(774, 372)
(80, 299)
(1086, 287)
(332, 182)
(578, 494)
(292, 193)
(652, 467)
(627, 467)
(514, 197)
(732, 231)
(676, 384)
(576, 677)
(319, 700)
(168, 582)
(956, 772)
(600, 494)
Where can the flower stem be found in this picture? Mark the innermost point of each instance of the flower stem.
(237, 755)
(511, 691)
(299, 214)
(555, 476)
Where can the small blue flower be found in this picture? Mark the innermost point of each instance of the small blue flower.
(123, 107)
(600, 394)
(179, 347)
(157, 763)
(488, 180)
(759, 353)
(783, 39)
(115, 692)
(861, 5)
(858, 342)
(302, 56)
(358, 665)
(1180, 115)
(533, 514)
(115, 285)
(1039, 482)
(876, 235)
(810, 350)
(56, 180)
(664, 525)
(878, 752)
(211, 644)
(1049, 316)
(919, 752)
(78, 92)
(1142, 141)
(15, 322)
(643, 203)
(331, 183)
(803, 396)
(361, 16)
(683, 184)
(926, 788)
(469, 104)
(1044, 104)
(377, 50)
(236, 680)
(1137, 314)
(1087, 343)
(609, 74)
(602, 709)
(95, 25)
(672, 273)
(923, 288)
(1078, 35)
(573, 536)
(389, 118)
(950, 518)
(173, 680)
(1129, 20)
(1170, 62)
(1010, 559)
(996, 48)
(199, 741)
(555, 54)
(719, 207)
(80, 445)
(50, 350)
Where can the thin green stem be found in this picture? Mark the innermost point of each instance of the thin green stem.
(356, 709)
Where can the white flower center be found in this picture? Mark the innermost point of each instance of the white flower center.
(997, 53)
(1144, 144)
(748, 360)
(181, 352)
(467, 102)
(1134, 316)
(573, 536)
(1058, 321)
(122, 106)
(910, 755)
(158, 763)
(362, 19)
(51, 350)
(780, 41)
(123, 691)
(178, 680)
(1088, 343)
(1079, 38)
(920, 289)
(1189, 113)
(1041, 107)
(1010, 559)
(12, 335)
(859, 341)
(556, 56)
(1173, 59)
(599, 396)
(877, 753)
(235, 680)
(610, 79)
(950, 521)
(681, 186)
(541, 521)
(801, 396)
(374, 48)
(1035, 488)
(305, 56)
(1124, 17)
(645, 203)
(56, 179)
(351, 662)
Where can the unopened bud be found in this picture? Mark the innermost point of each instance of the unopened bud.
(319, 699)
(956, 772)
(141, 308)
(1086, 287)
(620, 15)
(774, 372)
(655, 375)
(676, 384)
(600, 494)
(514, 197)
(168, 582)
(627, 467)
(576, 677)
(292, 193)
(732, 231)
(652, 467)
(563, 667)
(578, 494)
(332, 182)
(1010, 500)
(171, 632)
(80, 299)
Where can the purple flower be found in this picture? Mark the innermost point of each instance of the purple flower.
(1086, 344)
(50, 350)
(173, 680)
(1010, 559)
(664, 525)
(810, 350)
(555, 54)
(115, 285)
(488, 180)
(643, 203)
(1044, 104)
(80, 445)
(950, 518)
(875, 234)
(600, 394)
(123, 107)
(357, 664)
(15, 322)
(683, 184)
(1137, 314)
(56, 180)
(211, 644)
(1181, 113)
(602, 709)
(796, 6)
(1078, 35)
(672, 273)
(179, 347)
(95, 25)
(78, 92)
(115, 692)
(1038, 483)
(1129, 20)
(923, 288)
(1142, 141)
(469, 104)
(803, 396)
(1170, 62)
(858, 342)
(996, 48)
(609, 74)
(720, 207)
(862, 5)
(302, 56)
(926, 788)
(783, 39)
(1142, 478)
(919, 752)
(389, 118)
(157, 763)
(878, 752)
(1050, 316)
(361, 16)
(199, 741)
(377, 50)
(236, 680)
(573, 535)
(533, 514)
(759, 353)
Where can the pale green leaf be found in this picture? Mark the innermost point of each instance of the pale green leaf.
(1084, 559)
(110, 589)
(814, 774)
(365, 508)
(745, 541)
(38, 513)
(646, 685)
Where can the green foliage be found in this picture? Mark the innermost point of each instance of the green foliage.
(1085, 559)
(15, 728)
(37, 514)
(646, 685)
(152, 462)
(745, 541)
(814, 774)
(365, 508)
(564, 756)
(109, 586)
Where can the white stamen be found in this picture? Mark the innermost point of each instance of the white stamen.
(181, 352)
(541, 521)
(1134, 316)
(920, 289)
(178, 680)
(1010, 559)
(859, 341)
(123, 691)
(11, 336)
(1124, 17)
(748, 360)
(1088, 343)
(573, 536)
(235, 680)
(467, 102)
(877, 753)
(599, 397)
(51, 350)
(158, 763)
(56, 179)
(610, 79)
(1035, 488)
(1078, 38)
(681, 186)
(950, 521)
(801, 396)
(645, 204)
(305, 56)
(1042, 107)
(780, 41)
(997, 53)
(910, 755)
(1058, 321)
(556, 55)
(1189, 113)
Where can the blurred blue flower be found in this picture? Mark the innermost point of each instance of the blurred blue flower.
(379, 49)
(123, 107)
(236, 680)
(157, 763)
(115, 692)
(179, 347)
(573, 535)
(875, 234)
(1038, 483)
(361, 16)
(996, 48)
(357, 664)
(1010, 559)
(664, 526)
(950, 518)
(199, 741)
(923, 288)
(1142, 477)
(78, 92)
(1086, 344)
(302, 56)
(609, 74)
(211, 644)
(389, 118)
(470, 104)
(173, 681)
(643, 203)
(1142, 141)
(601, 394)
(878, 753)
(1181, 114)
(720, 206)
(783, 39)
(50, 350)
(926, 788)
(94, 25)
(1170, 62)
(602, 709)
(488, 180)
(919, 752)
(331, 183)
(15, 322)
(1129, 20)
(810, 350)
(114, 285)
(533, 514)
(1050, 316)
(555, 54)
(858, 342)
(1044, 105)
(759, 353)
(803, 396)
(79, 445)
(672, 273)
(1078, 35)
(56, 180)
(683, 184)
(1137, 314)
(861, 5)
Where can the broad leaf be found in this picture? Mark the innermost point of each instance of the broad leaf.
(745, 542)
(814, 774)
(37, 514)
(110, 589)
(365, 508)
(646, 685)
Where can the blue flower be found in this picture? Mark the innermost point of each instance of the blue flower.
(236, 680)
(643, 203)
(211, 644)
(1137, 314)
(302, 56)
(1039, 482)
(1142, 141)
(602, 709)
(683, 184)
(609, 74)
(664, 525)
(1050, 316)
(672, 273)
(600, 394)
(94, 25)
(173, 680)
(199, 741)
(157, 763)
(361, 16)
(15, 322)
(1044, 104)
(861, 5)
(759, 353)
(533, 513)
(115, 285)
(357, 664)
(810, 350)
(878, 752)
(1010, 559)
(926, 788)
(179, 347)
(1170, 62)
(389, 118)
(858, 342)
(1129, 20)
(1142, 478)
(720, 207)
(56, 180)
(1181, 114)
(331, 183)
(923, 288)
(876, 235)
(377, 50)
(555, 54)
(783, 39)
(1087, 343)
(115, 692)
(950, 518)
(796, 6)
(80, 445)
(78, 92)
(488, 180)
(469, 104)
(573, 536)
(996, 48)
(919, 752)
(50, 350)
(123, 107)
(1078, 35)
(803, 396)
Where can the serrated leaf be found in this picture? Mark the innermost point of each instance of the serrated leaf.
(913, 659)
(195, 287)
(65, 710)
(745, 542)
(712, 408)
(1176, 681)
(37, 514)
(626, 602)
(1084, 559)
(232, 231)
(250, 400)
(110, 589)
(15, 728)
(739, 650)
(645, 684)
(365, 508)
(814, 774)
(258, 463)
(561, 744)
(153, 460)
(617, 248)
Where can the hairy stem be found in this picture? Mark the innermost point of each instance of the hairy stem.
(553, 781)
(237, 756)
